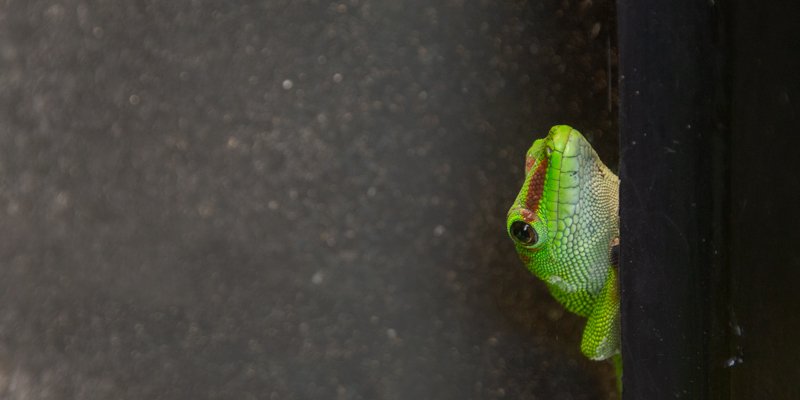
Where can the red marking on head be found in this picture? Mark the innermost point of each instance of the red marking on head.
(527, 215)
(529, 163)
(536, 187)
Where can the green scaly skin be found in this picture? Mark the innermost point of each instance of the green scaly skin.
(564, 223)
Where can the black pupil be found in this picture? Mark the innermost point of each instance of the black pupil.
(523, 232)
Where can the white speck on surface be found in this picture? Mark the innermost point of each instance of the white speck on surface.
(317, 278)
(61, 201)
(595, 30)
(730, 362)
(439, 230)
(337, 77)
(733, 361)
(391, 334)
(287, 84)
(272, 205)
(371, 192)
(134, 99)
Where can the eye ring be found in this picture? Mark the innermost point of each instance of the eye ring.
(523, 232)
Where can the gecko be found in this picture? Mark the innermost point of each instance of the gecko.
(565, 226)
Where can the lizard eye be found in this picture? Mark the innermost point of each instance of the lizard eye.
(523, 232)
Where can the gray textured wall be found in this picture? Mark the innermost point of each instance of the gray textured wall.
(284, 199)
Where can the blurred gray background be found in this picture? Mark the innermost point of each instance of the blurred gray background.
(285, 199)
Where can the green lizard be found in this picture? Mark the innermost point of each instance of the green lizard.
(564, 224)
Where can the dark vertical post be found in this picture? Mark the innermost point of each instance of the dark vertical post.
(672, 197)
(765, 201)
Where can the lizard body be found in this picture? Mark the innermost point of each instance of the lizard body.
(564, 223)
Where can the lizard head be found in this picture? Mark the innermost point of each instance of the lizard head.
(562, 219)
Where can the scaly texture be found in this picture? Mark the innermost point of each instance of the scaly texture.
(564, 223)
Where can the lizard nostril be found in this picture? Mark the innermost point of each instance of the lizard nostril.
(523, 232)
